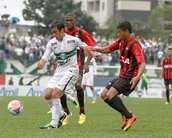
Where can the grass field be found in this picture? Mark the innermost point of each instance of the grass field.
(154, 120)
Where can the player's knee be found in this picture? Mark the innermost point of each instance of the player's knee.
(78, 86)
(47, 96)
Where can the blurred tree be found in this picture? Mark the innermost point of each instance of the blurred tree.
(44, 12)
(140, 28)
(160, 20)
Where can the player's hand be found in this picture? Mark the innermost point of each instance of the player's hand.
(134, 82)
(41, 64)
(89, 48)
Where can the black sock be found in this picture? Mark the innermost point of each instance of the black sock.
(80, 96)
(64, 104)
(117, 104)
(167, 95)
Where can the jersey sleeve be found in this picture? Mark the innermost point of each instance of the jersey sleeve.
(114, 46)
(87, 38)
(138, 53)
(79, 43)
(48, 52)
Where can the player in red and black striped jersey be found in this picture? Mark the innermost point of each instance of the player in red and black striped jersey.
(73, 30)
(167, 72)
(132, 66)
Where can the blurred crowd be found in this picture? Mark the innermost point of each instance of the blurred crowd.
(30, 47)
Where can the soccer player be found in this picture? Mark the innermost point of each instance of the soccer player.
(167, 72)
(65, 49)
(88, 78)
(132, 67)
(72, 29)
(144, 84)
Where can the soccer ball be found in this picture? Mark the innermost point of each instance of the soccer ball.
(15, 107)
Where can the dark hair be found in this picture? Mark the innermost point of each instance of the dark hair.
(71, 14)
(125, 25)
(58, 24)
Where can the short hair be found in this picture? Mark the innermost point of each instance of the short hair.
(58, 24)
(70, 14)
(125, 25)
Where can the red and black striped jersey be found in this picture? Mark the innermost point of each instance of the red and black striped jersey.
(167, 67)
(130, 56)
(85, 37)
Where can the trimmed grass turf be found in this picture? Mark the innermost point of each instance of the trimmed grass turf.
(154, 119)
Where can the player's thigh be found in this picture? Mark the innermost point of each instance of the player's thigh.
(103, 93)
(111, 93)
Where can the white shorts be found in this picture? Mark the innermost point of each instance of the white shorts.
(65, 79)
(88, 79)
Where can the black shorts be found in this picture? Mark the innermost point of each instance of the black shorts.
(167, 81)
(122, 85)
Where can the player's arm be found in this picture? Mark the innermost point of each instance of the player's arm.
(107, 49)
(84, 46)
(137, 52)
(101, 49)
(45, 57)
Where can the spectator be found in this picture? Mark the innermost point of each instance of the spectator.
(21, 81)
(11, 81)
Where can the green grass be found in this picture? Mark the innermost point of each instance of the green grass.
(154, 120)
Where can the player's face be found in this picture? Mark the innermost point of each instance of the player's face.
(58, 34)
(70, 22)
(122, 34)
(169, 52)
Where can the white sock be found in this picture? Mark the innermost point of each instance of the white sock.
(70, 98)
(50, 104)
(94, 96)
(56, 111)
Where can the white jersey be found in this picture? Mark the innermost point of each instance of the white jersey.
(64, 51)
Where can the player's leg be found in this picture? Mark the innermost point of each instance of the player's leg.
(84, 89)
(73, 100)
(94, 94)
(110, 96)
(56, 109)
(167, 94)
(80, 96)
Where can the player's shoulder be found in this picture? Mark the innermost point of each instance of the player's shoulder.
(52, 42)
(71, 39)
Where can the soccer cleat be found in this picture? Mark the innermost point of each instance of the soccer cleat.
(167, 103)
(49, 112)
(82, 118)
(66, 120)
(75, 102)
(129, 122)
(124, 121)
(48, 126)
(61, 119)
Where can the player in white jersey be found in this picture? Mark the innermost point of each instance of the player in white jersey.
(64, 47)
(88, 78)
